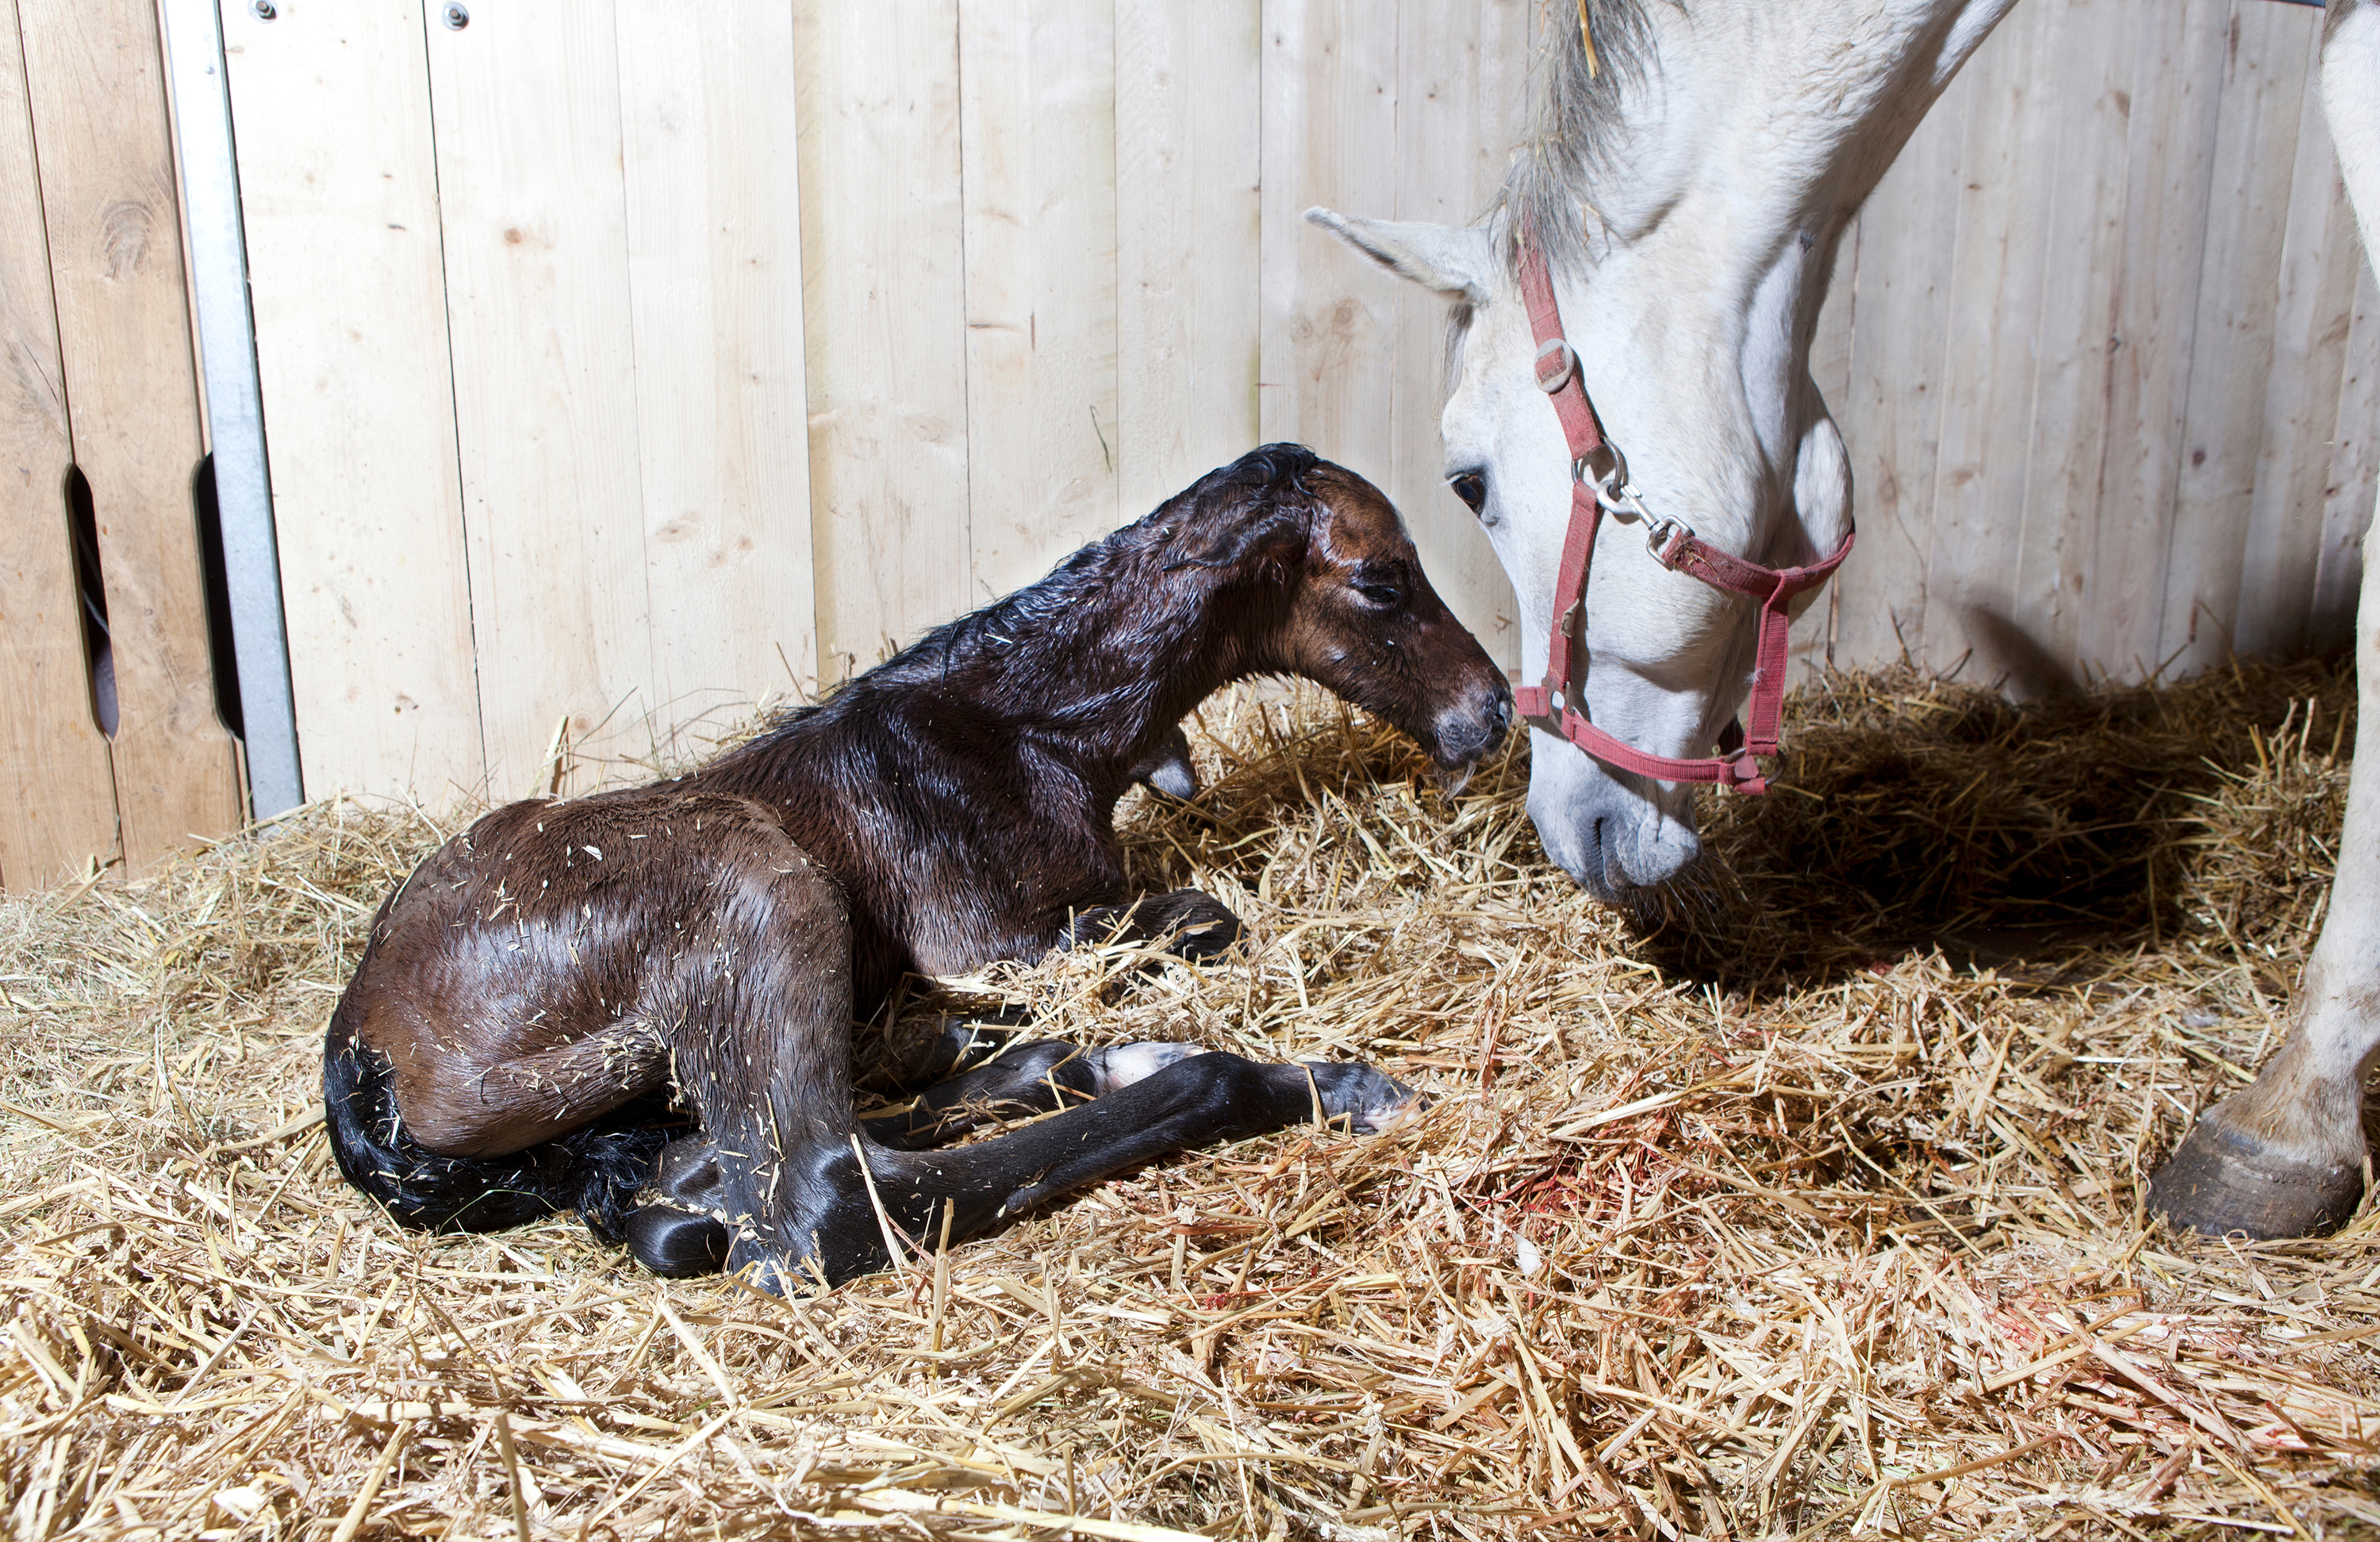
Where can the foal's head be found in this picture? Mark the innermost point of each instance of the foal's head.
(1316, 567)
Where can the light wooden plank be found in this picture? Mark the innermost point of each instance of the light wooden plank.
(58, 792)
(1462, 104)
(1901, 256)
(2263, 82)
(525, 103)
(1036, 109)
(339, 199)
(884, 321)
(2013, 130)
(715, 290)
(2354, 481)
(2085, 55)
(2294, 451)
(1329, 316)
(1187, 105)
(2175, 109)
(95, 80)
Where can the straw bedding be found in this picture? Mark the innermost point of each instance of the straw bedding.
(1809, 1205)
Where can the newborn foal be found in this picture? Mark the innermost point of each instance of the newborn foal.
(534, 994)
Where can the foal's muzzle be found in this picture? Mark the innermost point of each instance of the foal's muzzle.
(1469, 731)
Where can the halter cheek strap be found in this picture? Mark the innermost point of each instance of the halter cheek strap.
(1599, 481)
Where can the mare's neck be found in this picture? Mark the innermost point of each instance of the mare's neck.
(1745, 144)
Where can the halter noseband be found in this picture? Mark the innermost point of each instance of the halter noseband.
(1599, 481)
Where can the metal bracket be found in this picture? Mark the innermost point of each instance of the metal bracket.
(203, 129)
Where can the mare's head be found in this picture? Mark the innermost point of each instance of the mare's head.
(1311, 573)
(1690, 189)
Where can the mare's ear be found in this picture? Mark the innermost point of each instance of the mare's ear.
(1279, 532)
(1458, 262)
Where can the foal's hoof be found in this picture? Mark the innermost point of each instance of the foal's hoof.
(675, 1230)
(2220, 1179)
(1368, 1100)
(1127, 1063)
(1167, 768)
(1196, 924)
(677, 1244)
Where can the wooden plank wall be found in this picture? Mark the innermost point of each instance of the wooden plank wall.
(94, 323)
(620, 369)
(2107, 356)
(615, 367)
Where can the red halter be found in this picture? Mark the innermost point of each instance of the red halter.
(1599, 481)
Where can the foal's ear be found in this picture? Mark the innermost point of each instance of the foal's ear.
(1277, 533)
(1456, 261)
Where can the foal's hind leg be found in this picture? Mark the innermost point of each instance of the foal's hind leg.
(1026, 1080)
(1192, 1102)
(676, 1228)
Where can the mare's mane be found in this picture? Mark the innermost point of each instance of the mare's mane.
(1573, 128)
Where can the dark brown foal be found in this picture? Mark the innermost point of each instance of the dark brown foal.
(538, 995)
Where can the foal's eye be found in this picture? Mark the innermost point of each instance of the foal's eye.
(1470, 487)
(1388, 597)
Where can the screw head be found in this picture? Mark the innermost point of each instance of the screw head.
(455, 18)
(265, 10)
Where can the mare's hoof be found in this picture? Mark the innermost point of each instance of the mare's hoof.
(2220, 1179)
(1368, 1100)
(1127, 1063)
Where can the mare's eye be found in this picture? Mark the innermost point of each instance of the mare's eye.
(1388, 597)
(1470, 487)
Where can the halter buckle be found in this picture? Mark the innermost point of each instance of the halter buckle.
(1552, 377)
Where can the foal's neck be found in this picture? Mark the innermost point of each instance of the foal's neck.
(1100, 661)
(1108, 668)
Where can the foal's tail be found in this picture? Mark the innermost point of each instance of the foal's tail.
(596, 1168)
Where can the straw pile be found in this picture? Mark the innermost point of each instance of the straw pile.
(1808, 1208)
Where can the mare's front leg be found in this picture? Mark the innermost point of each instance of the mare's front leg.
(2285, 1157)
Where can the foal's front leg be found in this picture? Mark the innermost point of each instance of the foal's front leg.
(1189, 923)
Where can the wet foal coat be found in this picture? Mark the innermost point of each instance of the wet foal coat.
(535, 995)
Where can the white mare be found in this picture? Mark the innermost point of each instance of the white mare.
(1691, 191)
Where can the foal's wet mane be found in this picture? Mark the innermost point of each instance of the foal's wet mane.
(1088, 643)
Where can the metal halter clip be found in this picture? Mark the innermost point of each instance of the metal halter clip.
(1666, 539)
(1606, 470)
